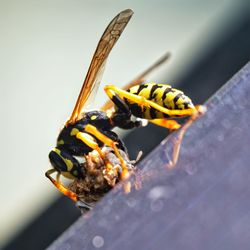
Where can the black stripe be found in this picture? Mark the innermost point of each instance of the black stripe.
(176, 99)
(166, 91)
(152, 112)
(154, 87)
(166, 115)
(186, 105)
(120, 104)
(141, 87)
(136, 110)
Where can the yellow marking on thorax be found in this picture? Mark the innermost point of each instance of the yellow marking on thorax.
(61, 142)
(74, 131)
(93, 117)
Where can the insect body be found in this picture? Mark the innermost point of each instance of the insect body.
(90, 131)
(161, 94)
(70, 143)
(154, 102)
(157, 103)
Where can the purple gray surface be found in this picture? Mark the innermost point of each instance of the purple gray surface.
(203, 203)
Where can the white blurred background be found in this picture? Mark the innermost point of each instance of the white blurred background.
(46, 48)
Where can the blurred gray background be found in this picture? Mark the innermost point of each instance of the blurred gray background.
(46, 48)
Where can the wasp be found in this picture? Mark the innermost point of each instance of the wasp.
(89, 134)
(156, 103)
(90, 131)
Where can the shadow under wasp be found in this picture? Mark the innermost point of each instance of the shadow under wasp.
(89, 134)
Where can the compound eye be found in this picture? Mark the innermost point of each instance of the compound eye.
(57, 162)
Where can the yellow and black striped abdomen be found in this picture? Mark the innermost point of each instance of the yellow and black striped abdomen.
(163, 95)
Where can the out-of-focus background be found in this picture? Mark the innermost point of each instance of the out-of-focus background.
(46, 48)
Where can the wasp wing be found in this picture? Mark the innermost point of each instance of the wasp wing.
(140, 78)
(96, 68)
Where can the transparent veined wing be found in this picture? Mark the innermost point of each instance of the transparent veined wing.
(140, 78)
(97, 65)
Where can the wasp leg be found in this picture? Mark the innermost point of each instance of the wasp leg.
(109, 142)
(120, 104)
(143, 102)
(83, 206)
(174, 125)
(90, 141)
(122, 117)
(114, 137)
(166, 123)
(180, 135)
(59, 185)
(58, 177)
